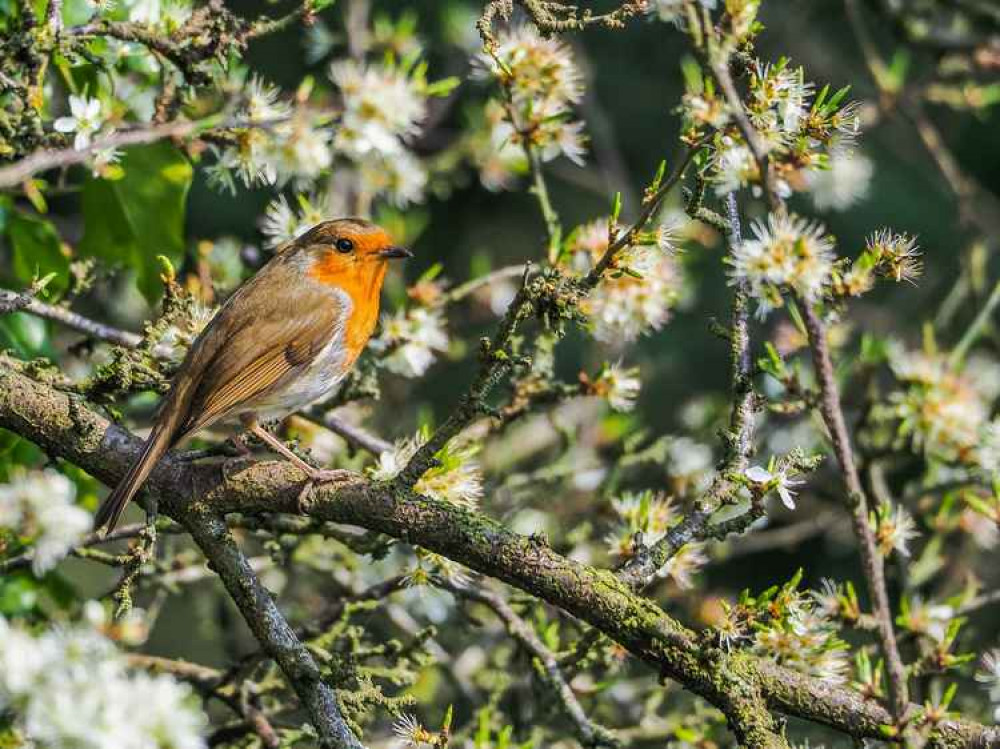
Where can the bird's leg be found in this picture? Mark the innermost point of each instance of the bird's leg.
(315, 475)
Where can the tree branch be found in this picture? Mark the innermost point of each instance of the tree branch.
(64, 427)
(591, 734)
(833, 416)
(12, 301)
(274, 634)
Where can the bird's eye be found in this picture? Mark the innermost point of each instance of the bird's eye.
(344, 245)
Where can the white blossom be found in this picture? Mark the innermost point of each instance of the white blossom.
(411, 340)
(786, 251)
(409, 731)
(543, 83)
(894, 528)
(382, 109)
(392, 462)
(898, 255)
(69, 687)
(989, 674)
(625, 305)
(845, 181)
(779, 481)
(619, 386)
(84, 120)
(733, 166)
(281, 223)
(40, 505)
(176, 338)
(456, 478)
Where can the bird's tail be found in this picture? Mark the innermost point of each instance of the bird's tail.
(157, 443)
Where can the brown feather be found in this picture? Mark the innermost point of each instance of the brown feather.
(242, 355)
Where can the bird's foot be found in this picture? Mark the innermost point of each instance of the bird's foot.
(321, 476)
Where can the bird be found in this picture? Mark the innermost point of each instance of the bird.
(284, 340)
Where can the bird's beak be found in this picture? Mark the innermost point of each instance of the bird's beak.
(390, 253)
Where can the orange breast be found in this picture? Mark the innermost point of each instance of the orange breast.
(362, 282)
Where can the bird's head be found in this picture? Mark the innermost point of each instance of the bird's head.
(349, 253)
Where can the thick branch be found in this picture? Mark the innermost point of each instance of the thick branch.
(275, 635)
(65, 428)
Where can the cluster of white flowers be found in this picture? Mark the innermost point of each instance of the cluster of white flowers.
(645, 518)
(734, 167)
(808, 137)
(411, 340)
(787, 251)
(282, 222)
(39, 507)
(806, 639)
(383, 106)
(543, 83)
(457, 478)
(943, 413)
(646, 513)
(636, 299)
(285, 144)
(69, 687)
(779, 100)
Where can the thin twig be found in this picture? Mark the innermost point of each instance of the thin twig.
(356, 436)
(975, 330)
(19, 171)
(14, 301)
(649, 208)
(589, 733)
(473, 285)
(833, 416)
(642, 568)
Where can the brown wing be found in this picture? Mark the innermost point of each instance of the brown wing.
(260, 336)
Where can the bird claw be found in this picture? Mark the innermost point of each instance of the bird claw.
(321, 476)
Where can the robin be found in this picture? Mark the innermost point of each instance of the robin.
(284, 340)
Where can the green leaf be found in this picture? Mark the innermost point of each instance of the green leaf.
(37, 250)
(18, 594)
(25, 334)
(132, 220)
